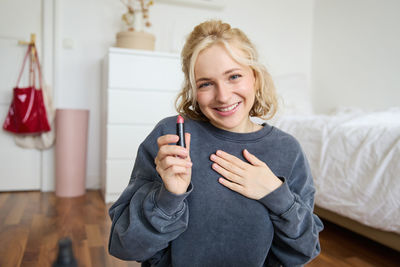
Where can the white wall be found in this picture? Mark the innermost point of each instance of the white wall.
(281, 30)
(356, 54)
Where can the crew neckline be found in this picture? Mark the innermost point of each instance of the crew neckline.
(238, 137)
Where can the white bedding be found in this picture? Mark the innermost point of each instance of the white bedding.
(355, 161)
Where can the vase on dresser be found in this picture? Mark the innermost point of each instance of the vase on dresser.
(135, 40)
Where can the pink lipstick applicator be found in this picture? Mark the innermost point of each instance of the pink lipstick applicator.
(180, 131)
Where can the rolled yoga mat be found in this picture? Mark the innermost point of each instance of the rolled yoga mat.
(71, 151)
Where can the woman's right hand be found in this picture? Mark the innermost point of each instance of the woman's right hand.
(173, 163)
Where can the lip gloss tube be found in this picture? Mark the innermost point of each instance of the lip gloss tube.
(180, 131)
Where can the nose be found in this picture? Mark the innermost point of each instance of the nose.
(222, 93)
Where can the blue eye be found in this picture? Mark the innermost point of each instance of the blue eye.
(235, 76)
(204, 85)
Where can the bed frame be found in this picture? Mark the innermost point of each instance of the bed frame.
(389, 239)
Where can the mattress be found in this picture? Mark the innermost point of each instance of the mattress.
(355, 162)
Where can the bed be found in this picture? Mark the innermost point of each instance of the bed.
(354, 156)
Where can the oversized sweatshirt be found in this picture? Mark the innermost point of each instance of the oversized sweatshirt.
(211, 225)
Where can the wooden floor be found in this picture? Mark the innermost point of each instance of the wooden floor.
(31, 223)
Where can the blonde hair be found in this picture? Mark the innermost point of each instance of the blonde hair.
(204, 36)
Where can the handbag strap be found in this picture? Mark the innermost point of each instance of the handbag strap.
(34, 60)
(38, 67)
(32, 73)
(23, 64)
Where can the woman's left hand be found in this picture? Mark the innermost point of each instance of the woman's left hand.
(254, 180)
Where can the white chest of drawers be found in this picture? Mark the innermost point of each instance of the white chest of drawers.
(139, 89)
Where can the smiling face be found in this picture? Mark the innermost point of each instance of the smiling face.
(225, 89)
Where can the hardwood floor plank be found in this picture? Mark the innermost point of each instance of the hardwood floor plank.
(94, 235)
(12, 246)
(15, 214)
(355, 261)
(49, 247)
(30, 258)
(327, 261)
(8, 204)
(82, 254)
(31, 208)
(36, 231)
(3, 198)
(97, 255)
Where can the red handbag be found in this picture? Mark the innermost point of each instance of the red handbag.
(27, 112)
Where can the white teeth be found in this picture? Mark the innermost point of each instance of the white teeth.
(228, 108)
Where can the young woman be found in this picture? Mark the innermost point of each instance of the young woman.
(240, 193)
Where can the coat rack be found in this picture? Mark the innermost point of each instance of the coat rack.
(32, 42)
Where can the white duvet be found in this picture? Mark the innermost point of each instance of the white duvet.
(355, 161)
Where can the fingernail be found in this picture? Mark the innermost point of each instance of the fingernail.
(212, 157)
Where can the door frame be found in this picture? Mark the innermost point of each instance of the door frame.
(50, 37)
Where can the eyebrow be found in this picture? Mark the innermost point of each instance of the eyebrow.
(225, 73)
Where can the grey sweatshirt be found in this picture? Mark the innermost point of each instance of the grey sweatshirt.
(210, 225)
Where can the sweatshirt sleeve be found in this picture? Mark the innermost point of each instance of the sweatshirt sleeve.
(146, 217)
(297, 228)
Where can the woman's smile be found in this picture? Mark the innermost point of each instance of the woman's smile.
(228, 110)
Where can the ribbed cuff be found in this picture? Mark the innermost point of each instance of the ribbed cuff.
(280, 200)
(171, 203)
